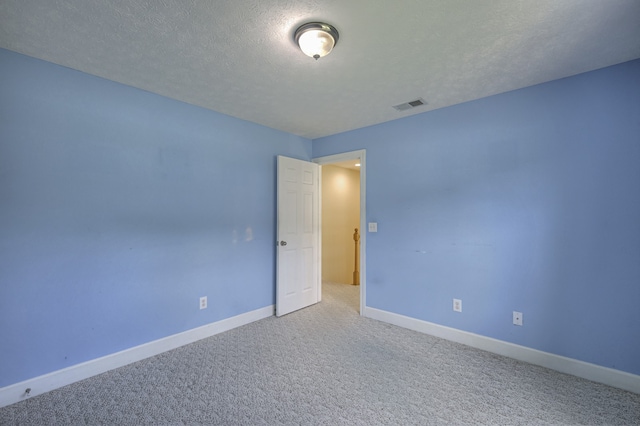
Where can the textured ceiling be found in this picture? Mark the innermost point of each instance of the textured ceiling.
(238, 57)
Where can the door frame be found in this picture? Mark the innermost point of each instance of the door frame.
(336, 158)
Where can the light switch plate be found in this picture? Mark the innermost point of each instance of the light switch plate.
(373, 226)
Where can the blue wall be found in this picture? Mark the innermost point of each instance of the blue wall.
(527, 201)
(118, 210)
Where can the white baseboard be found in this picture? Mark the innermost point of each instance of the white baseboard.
(54, 380)
(593, 372)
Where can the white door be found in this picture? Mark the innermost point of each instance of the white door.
(298, 252)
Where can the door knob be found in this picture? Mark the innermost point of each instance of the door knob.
(283, 243)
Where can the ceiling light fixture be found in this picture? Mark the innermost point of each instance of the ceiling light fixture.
(316, 39)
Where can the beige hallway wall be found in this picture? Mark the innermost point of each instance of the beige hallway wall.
(340, 216)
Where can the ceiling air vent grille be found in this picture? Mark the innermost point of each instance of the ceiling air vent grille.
(409, 105)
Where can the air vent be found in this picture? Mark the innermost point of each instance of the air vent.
(408, 105)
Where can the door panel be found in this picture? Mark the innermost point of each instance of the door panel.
(307, 209)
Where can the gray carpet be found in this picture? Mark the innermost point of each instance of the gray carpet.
(327, 365)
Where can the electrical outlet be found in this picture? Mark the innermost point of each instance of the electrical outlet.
(203, 302)
(517, 318)
(457, 305)
(373, 226)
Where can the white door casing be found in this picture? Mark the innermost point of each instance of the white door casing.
(298, 235)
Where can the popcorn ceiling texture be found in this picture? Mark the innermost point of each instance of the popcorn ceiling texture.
(239, 58)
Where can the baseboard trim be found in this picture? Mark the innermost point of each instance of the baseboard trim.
(57, 379)
(593, 372)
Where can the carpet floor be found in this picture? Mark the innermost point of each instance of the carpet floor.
(326, 365)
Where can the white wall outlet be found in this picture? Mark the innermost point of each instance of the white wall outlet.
(203, 302)
(457, 305)
(373, 226)
(517, 318)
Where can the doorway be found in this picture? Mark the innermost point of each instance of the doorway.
(343, 191)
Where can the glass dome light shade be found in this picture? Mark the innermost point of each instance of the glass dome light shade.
(316, 43)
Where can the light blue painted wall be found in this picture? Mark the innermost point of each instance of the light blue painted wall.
(118, 210)
(528, 201)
